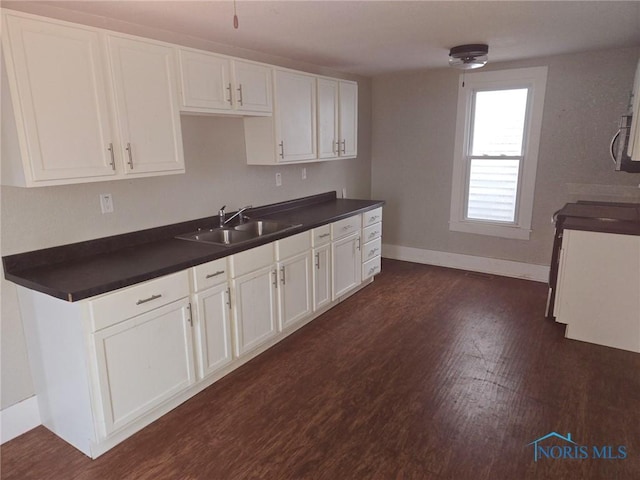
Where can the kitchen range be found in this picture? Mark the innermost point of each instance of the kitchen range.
(594, 282)
(123, 329)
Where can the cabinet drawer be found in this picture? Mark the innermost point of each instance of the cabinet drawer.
(344, 227)
(112, 308)
(293, 245)
(209, 274)
(374, 216)
(321, 235)
(372, 232)
(250, 260)
(371, 268)
(371, 249)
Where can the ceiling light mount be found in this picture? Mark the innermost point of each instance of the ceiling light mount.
(467, 57)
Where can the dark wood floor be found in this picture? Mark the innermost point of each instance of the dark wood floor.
(427, 373)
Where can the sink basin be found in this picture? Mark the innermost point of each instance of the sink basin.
(244, 232)
(259, 228)
(220, 236)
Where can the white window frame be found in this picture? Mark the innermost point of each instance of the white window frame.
(535, 79)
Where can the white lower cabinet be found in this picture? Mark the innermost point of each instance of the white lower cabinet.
(144, 361)
(107, 366)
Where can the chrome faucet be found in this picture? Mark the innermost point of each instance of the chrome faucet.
(239, 212)
(221, 214)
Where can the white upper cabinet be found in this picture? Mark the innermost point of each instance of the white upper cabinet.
(218, 84)
(295, 116)
(348, 119)
(205, 81)
(328, 135)
(61, 104)
(147, 106)
(253, 87)
(337, 119)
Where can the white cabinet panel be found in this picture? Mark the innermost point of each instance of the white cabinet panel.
(61, 103)
(255, 308)
(348, 119)
(253, 87)
(205, 80)
(143, 362)
(328, 135)
(599, 289)
(346, 263)
(321, 276)
(295, 116)
(294, 292)
(213, 329)
(147, 105)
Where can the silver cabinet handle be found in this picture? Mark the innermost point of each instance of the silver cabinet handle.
(372, 252)
(324, 235)
(130, 162)
(113, 161)
(318, 260)
(145, 300)
(336, 147)
(344, 146)
(210, 275)
(240, 96)
(281, 145)
(284, 281)
(229, 297)
(372, 270)
(347, 227)
(229, 89)
(275, 278)
(190, 315)
(374, 234)
(373, 218)
(358, 243)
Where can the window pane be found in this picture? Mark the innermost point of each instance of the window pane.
(493, 186)
(498, 122)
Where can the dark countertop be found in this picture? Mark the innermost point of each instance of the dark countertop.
(85, 269)
(620, 218)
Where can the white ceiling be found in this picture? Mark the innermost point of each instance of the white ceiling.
(374, 37)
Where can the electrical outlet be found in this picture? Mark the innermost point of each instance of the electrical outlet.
(344, 193)
(106, 203)
(304, 173)
(278, 179)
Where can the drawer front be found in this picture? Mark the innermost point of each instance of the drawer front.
(209, 274)
(321, 235)
(120, 305)
(293, 245)
(371, 268)
(374, 216)
(372, 232)
(372, 249)
(345, 227)
(250, 260)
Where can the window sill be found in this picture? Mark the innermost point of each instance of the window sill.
(504, 231)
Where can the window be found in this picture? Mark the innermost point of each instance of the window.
(496, 151)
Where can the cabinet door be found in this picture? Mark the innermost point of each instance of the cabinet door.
(205, 81)
(327, 118)
(144, 361)
(295, 116)
(147, 105)
(346, 263)
(60, 99)
(252, 87)
(294, 289)
(348, 119)
(254, 312)
(213, 330)
(321, 276)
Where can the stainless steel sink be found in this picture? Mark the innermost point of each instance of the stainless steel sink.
(244, 232)
(258, 228)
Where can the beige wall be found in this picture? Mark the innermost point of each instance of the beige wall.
(414, 117)
(217, 174)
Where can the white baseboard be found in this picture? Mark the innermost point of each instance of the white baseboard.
(19, 418)
(505, 268)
